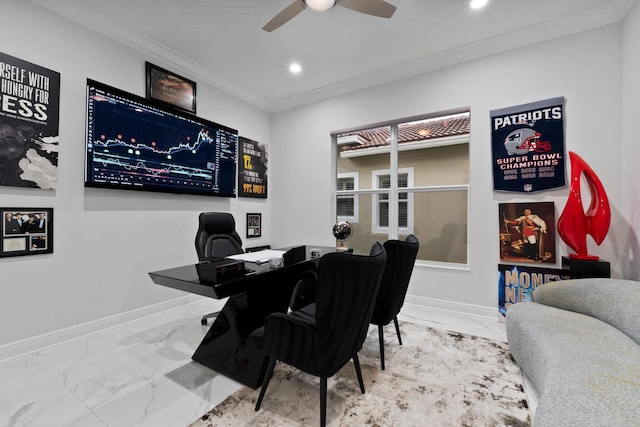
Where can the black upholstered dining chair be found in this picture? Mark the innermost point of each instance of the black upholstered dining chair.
(401, 257)
(304, 292)
(321, 338)
(216, 238)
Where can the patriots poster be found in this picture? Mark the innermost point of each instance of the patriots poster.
(527, 143)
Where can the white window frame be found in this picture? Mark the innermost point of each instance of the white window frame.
(356, 200)
(392, 149)
(375, 214)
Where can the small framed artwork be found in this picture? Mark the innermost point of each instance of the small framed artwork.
(171, 89)
(527, 232)
(254, 225)
(26, 231)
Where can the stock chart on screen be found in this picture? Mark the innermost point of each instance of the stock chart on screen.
(134, 144)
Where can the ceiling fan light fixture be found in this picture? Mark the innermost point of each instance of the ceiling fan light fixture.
(319, 5)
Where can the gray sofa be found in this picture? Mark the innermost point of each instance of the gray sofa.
(579, 346)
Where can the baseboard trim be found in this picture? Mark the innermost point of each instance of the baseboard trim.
(38, 342)
(29, 345)
(422, 303)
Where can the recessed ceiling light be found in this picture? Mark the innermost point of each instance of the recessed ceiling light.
(295, 68)
(477, 4)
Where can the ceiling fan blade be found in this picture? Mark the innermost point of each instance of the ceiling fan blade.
(284, 16)
(371, 7)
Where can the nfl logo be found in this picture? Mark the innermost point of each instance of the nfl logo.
(528, 187)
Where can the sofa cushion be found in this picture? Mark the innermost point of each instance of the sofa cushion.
(616, 302)
(587, 372)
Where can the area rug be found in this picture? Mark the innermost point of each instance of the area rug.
(436, 378)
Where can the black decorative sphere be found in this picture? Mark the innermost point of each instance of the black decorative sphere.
(342, 231)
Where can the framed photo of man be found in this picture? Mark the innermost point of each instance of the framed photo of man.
(527, 232)
(26, 231)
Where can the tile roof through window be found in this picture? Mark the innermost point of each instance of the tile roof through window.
(410, 132)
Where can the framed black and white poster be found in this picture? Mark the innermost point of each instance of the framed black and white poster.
(252, 168)
(527, 143)
(170, 88)
(26, 231)
(254, 225)
(29, 123)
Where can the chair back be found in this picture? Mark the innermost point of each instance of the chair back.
(346, 293)
(401, 257)
(294, 255)
(217, 236)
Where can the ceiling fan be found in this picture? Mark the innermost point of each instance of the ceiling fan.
(371, 7)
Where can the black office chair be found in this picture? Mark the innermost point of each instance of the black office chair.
(216, 238)
(401, 257)
(321, 338)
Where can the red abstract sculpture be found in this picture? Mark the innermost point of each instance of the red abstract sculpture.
(574, 223)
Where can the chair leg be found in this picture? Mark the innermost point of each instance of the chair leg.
(381, 339)
(323, 401)
(395, 321)
(356, 363)
(265, 383)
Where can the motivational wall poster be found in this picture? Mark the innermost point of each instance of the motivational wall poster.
(252, 170)
(29, 120)
(527, 144)
(517, 282)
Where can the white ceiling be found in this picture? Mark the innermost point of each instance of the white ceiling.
(221, 41)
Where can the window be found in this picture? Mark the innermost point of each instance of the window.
(347, 203)
(407, 177)
(380, 208)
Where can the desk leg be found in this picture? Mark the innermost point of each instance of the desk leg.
(226, 347)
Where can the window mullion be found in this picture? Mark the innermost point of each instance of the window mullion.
(393, 190)
(334, 178)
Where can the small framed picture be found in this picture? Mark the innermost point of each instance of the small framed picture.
(254, 225)
(26, 231)
(527, 232)
(171, 89)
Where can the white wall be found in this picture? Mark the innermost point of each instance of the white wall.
(105, 241)
(585, 68)
(630, 251)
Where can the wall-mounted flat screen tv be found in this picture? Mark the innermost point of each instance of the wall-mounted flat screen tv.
(134, 144)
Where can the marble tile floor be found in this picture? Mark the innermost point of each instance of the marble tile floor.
(141, 374)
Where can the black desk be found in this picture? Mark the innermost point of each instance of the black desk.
(226, 348)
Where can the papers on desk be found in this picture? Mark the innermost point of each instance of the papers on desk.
(259, 257)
